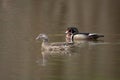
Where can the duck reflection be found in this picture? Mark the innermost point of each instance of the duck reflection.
(84, 43)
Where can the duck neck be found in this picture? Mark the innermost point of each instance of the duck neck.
(45, 40)
(44, 43)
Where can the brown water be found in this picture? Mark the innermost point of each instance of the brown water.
(20, 54)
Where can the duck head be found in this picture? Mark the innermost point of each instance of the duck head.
(72, 30)
(42, 36)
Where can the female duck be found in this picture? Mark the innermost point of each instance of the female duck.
(72, 33)
(57, 46)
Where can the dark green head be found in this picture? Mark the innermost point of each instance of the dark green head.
(72, 30)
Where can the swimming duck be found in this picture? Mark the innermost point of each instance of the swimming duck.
(56, 46)
(72, 34)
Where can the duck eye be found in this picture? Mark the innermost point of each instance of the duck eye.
(74, 30)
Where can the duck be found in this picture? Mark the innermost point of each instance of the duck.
(72, 33)
(54, 46)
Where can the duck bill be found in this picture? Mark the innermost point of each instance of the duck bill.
(37, 38)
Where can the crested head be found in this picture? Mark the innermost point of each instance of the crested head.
(72, 30)
(42, 36)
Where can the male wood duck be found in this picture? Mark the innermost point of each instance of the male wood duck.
(72, 34)
(55, 46)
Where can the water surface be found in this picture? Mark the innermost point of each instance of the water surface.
(21, 57)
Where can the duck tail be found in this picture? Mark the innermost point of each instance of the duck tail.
(95, 36)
